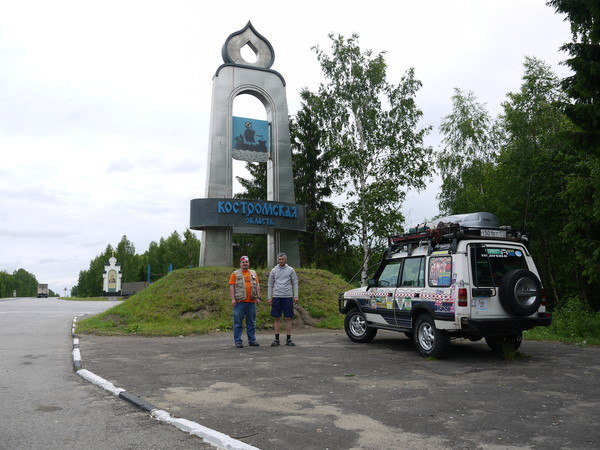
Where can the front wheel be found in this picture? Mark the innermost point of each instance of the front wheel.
(428, 339)
(356, 327)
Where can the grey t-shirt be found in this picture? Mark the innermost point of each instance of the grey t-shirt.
(283, 282)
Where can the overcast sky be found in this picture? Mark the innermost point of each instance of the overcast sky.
(105, 105)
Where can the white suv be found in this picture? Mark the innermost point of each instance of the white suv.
(467, 277)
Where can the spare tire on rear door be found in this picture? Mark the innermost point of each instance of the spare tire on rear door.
(520, 292)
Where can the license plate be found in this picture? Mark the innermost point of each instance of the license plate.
(494, 233)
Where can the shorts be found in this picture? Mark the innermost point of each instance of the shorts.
(282, 304)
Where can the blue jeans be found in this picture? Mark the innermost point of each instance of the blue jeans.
(241, 309)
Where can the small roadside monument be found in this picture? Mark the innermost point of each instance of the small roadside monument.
(219, 215)
(111, 285)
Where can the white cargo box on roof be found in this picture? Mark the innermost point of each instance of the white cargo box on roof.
(475, 220)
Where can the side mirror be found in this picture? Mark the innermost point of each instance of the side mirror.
(371, 282)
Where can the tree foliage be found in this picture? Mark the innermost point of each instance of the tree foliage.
(582, 193)
(21, 281)
(181, 253)
(583, 87)
(89, 283)
(326, 237)
(371, 128)
(533, 166)
(255, 186)
(252, 245)
(469, 145)
(525, 178)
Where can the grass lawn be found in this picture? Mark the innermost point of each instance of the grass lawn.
(194, 301)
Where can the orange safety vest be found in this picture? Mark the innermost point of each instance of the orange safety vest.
(240, 285)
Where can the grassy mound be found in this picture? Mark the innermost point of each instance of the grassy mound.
(194, 301)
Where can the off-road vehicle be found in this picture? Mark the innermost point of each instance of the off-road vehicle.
(466, 277)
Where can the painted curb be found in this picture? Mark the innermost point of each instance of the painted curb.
(208, 435)
(77, 364)
(98, 381)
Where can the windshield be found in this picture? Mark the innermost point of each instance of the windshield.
(389, 274)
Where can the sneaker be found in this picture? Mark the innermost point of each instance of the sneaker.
(275, 343)
(254, 344)
(239, 345)
(290, 343)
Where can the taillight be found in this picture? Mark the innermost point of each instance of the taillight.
(543, 297)
(462, 297)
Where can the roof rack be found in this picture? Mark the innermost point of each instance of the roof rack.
(450, 234)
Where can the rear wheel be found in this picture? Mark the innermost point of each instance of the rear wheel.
(504, 344)
(428, 339)
(356, 327)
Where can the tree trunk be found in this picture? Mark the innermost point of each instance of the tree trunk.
(363, 219)
(365, 246)
(364, 236)
(548, 264)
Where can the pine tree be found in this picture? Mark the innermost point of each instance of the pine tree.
(582, 192)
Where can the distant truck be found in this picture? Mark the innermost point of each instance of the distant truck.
(42, 291)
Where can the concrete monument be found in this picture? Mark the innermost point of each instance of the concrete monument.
(219, 215)
(111, 284)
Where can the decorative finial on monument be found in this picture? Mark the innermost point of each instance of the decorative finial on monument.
(231, 51)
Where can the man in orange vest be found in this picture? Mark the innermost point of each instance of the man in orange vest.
(244, 288)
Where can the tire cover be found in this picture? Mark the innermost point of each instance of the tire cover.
(520, 292)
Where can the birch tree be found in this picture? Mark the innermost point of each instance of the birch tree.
(371, 128)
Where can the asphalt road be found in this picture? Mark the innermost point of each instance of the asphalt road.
(45, 405)
(325, 393)
(328, 392)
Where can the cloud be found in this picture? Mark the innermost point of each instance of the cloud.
(35, 233)
(121, 165)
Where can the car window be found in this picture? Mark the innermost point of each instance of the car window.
(389, 275)
(490, 264)
(413, 273)
(440, 271)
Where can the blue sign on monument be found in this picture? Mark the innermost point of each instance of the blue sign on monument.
(249, 213)
(251, 140)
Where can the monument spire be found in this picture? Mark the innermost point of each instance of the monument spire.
(262, 48)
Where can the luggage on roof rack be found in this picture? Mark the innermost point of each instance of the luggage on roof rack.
(452, 229)
(477, 220)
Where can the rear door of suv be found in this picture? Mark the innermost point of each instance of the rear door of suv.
(489, 262)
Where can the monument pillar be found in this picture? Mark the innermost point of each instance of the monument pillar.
(236, 77)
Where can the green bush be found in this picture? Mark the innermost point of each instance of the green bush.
(576, 319)
(573, 322)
